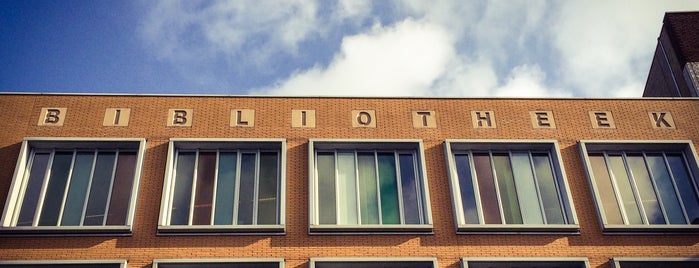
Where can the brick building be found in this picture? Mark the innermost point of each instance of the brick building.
(242, 181)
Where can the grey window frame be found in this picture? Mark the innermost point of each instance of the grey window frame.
(380, 145)
(686, 147)
(279, 261)
(50, 263)
(616, 262)
(21, 175)
(581, 260)
(313, 261)
(222, 144)
(468, 146)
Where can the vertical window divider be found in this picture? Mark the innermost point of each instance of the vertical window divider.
(556, 185)
(111, 186)
(655, 188)
(634, 188)
(497, 187)
(44, 186)
(674, 186)
(236, 201)
(418, 186)
(617, 194)
(65, 191)
(192, 195)
(171, 200)
(356, 189)
(23, 187)
(337, 190)
(536, 186)
(279, 188)
(399, 185)
(476, 189)
(378, 185)
(213, 194)
(89, 187)
(256, 188)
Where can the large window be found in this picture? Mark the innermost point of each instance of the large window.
(224, 186)
(74, 185)
(644, 186)
(218, 263)
(524, 263)
(509, 186)
(365, 185)
(654, 262)
(373, 262)
(64, 264)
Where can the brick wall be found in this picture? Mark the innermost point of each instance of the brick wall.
(273, 120)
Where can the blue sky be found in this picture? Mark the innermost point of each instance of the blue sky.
(532, 48)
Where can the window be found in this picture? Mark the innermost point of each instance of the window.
(219, 263)
(643, 186)
(373, 262)
(73, 185)
(65, 264)
(654, 262)
(501, 186)
(368, 186)
(524, 263)
(224, 186)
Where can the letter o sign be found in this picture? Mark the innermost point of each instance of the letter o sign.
(363, 118)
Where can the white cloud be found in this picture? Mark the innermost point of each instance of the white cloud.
(403, 59)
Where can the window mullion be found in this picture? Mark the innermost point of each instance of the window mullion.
(674, 186)
(617, 194)
(497, 187)
(337, 190)
(378, 185)
(556, 186)
(256, 188)
(192, 195)
(399, 187)
(536, 186)
(65, 191)
(634, 189)
(476, 190)
(44, 186)
(89, 187)
(418, 186)
(213, 194)
(236, 201)
(111, 185)
(23, 188)
(356, 189)
(655, 189)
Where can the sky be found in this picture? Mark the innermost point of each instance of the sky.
(459, 48)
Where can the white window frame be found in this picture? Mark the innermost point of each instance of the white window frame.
(454, 146)
(279, 261)
(314, 261)
(625, 146)
(616, 261)
(581, 260)
(415, 146)
(21, 176)
(51, 263)
(242, 145)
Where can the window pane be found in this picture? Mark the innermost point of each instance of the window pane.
(486, 184)
(468, 197)
(60, 168)
(506, 185)
(247, 189)
(645, 189)
(77, 191)
(99, 189)
(325, 166)
(225, 188)
(665, 189)
(183, 188)
(526, 189)
(121, 192)
(390, 213)
(411, 203)
(347, 197)
(267, 197)
(616, 163)
(368, 197)
(547, 186)
(206, 170)
(685, 186)
(606, 192)
(31, 195)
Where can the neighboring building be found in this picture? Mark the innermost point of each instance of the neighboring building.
(334, 182)
(674, 71)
